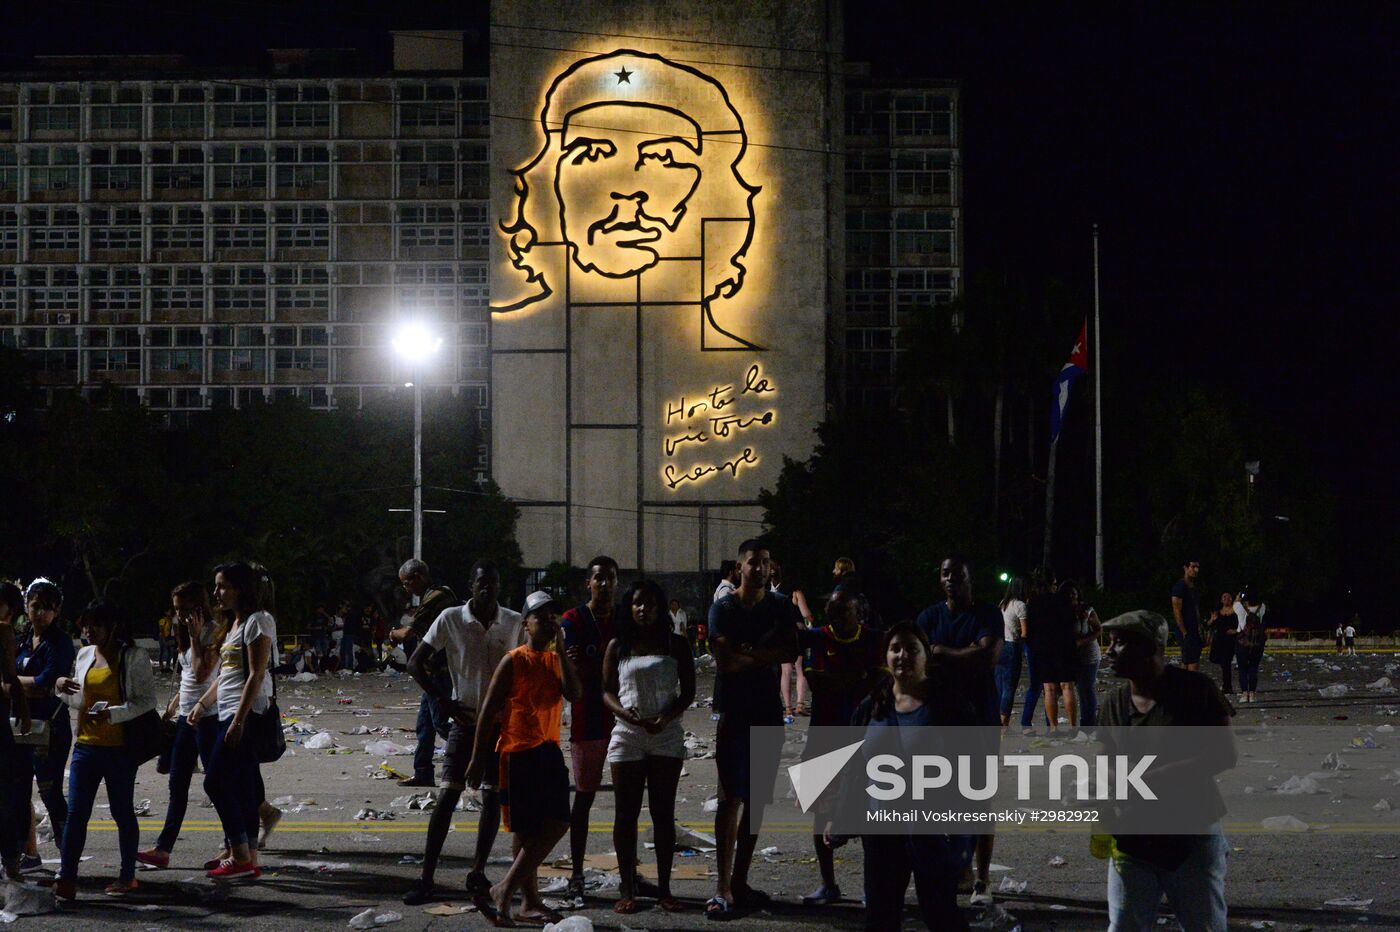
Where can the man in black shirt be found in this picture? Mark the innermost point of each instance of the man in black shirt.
(1186, 608)
(752, 632)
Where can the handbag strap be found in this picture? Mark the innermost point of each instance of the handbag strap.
(248, 666)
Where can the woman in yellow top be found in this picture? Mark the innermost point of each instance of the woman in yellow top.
(111, 684)
(527, 694)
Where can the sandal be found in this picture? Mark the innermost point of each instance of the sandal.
(626, 907)
(670, 904)
(546, 916)
(719, 909)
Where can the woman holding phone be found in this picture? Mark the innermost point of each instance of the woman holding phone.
(111, 684)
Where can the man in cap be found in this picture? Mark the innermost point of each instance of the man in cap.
(1188, 869)
(526, 696)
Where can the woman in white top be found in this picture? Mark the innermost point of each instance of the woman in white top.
(1008, 672)
(197, 659)
(648, 683)
(240, 690)
(111, 685)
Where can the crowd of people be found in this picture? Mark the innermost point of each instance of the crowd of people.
(494, 684)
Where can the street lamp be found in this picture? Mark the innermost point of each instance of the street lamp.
(416, 343)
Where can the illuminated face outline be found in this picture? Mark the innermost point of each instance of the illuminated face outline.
(720, 194)
(623, 182)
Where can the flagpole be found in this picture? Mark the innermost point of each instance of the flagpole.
(1098, 426)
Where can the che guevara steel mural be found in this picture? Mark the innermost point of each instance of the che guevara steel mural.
(638, 178)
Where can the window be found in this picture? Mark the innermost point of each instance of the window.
(303, 105)
(919, 289)
(115, 228)
(9, 300)
(9, 169)
(239, 167)
(868, 298)
(117, 108)
(426, 166)
(238, 107)
(927, 233)
(178, 167)
(43, 119)
(475, 110)
(921, 114)
(427, 105)
(303, 227)
(177, 228)
(53, 228)
(115, 290)
(114, 361)
(177, 108)
(302, 288)
(240, 289)
(474, 292)
(53, 168)
(476, 231)
(177, 360)
(242, 227)
(868, 236)
(54, 291)
(116, 168)
(923, 173)
(867, 173)
(303, 166)
(427, 225)
(178, 289)
(476, 169)
(301, 358)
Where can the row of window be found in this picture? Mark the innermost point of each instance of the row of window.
(901, 172)
(317, 396)
(471, 274)
(229, 168)
(228, 92)
(192, 361)
(231, 336)
(899, 113)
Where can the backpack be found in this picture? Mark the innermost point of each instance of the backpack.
(1253, 635)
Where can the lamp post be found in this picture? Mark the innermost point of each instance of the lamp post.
(416, 343)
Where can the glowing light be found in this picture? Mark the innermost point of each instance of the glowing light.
(416, 342)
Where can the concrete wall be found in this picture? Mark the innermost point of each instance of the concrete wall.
(638, 412)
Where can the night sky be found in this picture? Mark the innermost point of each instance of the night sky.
(1243, 162)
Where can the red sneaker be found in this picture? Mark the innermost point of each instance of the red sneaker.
(154, 857)
(121, 887)
(237, 869)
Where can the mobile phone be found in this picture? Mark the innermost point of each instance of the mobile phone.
(98, 706)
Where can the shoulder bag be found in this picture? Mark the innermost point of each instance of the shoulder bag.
(263, 731)
(143, 736)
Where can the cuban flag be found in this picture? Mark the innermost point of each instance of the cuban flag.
(1077, 365)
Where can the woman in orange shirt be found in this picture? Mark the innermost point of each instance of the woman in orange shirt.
(527, 694)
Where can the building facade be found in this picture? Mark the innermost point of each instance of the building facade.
(903, 218)
(200, 239)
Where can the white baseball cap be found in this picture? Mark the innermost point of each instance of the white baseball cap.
(538, 600)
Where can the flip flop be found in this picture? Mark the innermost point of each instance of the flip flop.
(719, 909)
(753, 899)
(626, 907)
(487, 907)
(548, 916)
(670, 904)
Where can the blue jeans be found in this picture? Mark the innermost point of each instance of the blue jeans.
(432, 721)
(92, 766)
(191, 744)
(1008, 674)
(347, 652)
(1195, 891)
(47, 764)
(934, 862)
(1035, 689)
(1088, 695)
(231, 780)
(1249, 660)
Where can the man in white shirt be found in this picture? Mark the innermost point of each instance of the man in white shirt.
(729, 580)
(475, 636)
(679, 621)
